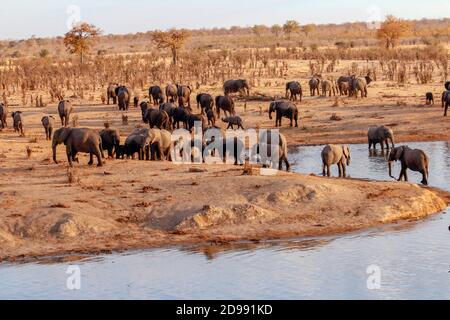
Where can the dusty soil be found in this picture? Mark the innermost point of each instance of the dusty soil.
(131, 204)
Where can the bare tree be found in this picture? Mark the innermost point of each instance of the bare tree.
(172, 39)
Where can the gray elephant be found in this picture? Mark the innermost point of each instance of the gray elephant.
(344, 85)
(184, 95)
(78, 140)
(336, 154)
(137, 142)
(314, 85)
(17, 121)
(267, 149)
(446, 100)
(193, 118)
(123, 98)
(171, 93)
(3, 116)
(235, 86)
(111, 93)
(156, 94)
(155, 118)
(211, 116)
(380, 135)
(48, 124)
(226, 104)
(415, 160)
(205, 101)
(360, 85)
(284, 109)
(110, 141)
(293, 90)
(328, 87)
(65, 110)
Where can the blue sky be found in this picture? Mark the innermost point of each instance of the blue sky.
(23, 18)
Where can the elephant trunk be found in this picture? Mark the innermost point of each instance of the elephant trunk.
(390, 170)
(54, 152)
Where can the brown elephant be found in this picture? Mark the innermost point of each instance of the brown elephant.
(78, 140)
(380, 135)
(415, 160)
(336, 154)
(123, 98)
(360, 85)
(267, 146)
(110, 141)
(446, 101)
(184, 95)
(235, 86)
(284, 109)
(294, 89)
(3, 116)
(65, 110)
(111, 93)
(171, 93)
(205, 101)
(156, 95)
(328, 87)
(48, 123)
(226, 104)
(314, 85)
(156, 118)
(193, 118)
(162, 149)
(17, 121)
(344, 84)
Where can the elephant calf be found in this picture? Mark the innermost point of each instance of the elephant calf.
(429, 98)
(415, 160)
(17, 121)
(234, 121)
(110, 141)
(3, 116)
(336, 154)
(48, 123)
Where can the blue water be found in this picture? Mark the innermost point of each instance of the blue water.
(413, 258)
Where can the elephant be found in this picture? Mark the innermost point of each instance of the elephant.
(48, 123)
(344, 85)
(193, 118)
(360, 84)
(184, 95)
(446, 101)
(205, 101)
(171, 93)
(78, 140)
(157, 118)
(235, 86)
(111, 92)
(294, 89)
(110, 141)
(162, 149)
(211, 118)
(380, 135)
(234, 121)
(266, 146)
(140, 141)
(328, 87)
(135, 102)
(284, 109)
(3, 116)
(123, 98)
(225, 103)
(429, 98)
(65, 109)
(314, 85)
(17, 121)
(169, 108)
(227, 147)
(415, 160)
(180, 114)
(336, 154)
(155, 93)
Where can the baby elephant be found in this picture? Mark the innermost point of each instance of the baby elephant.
(335, 154)
(415, 160)
(18, 123)
(430, 98)
(47, 123)
(234, 121)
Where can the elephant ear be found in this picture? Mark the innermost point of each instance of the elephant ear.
(399, 153)
(63, 135)
(346, 152)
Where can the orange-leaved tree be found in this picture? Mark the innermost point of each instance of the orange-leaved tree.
(79, 40)
(174, 40)
(392, 30)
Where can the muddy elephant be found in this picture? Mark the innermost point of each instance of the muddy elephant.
(3, 116)
(268, 150)
(234, 121)
(165, 146)
(235, 86)
(123, 98)
(429, 98)
(156, 118)
(65, 109)
(336, 154)
(78, 140)
(184, 95)
(156, 95)
(284, 109)
(344, 84)
(171, 93)
(205, 101)
(48, 124)
(110, 141)
(328, 87)
(111, 93)
(360, 85)
(180, 114)
(314, 85)
(226, 104)
(17, 121)
(293, 90)
(415, 160)
(380, 135)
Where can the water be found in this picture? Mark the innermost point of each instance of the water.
(413, 258)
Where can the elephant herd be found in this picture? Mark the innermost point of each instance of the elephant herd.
(16, 117)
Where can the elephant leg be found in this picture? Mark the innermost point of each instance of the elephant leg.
(344, 170)
(424, 177)
(328, 170)
(99, 158)
(324, 173)
(340, 169)
(405, 175)
(69, 156)
(91, 159)
(286, 162)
